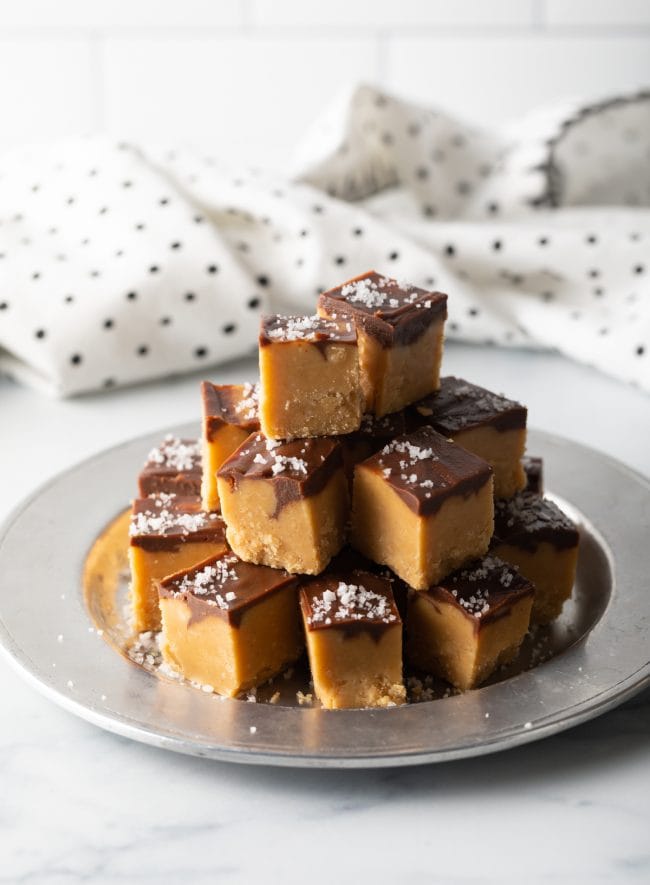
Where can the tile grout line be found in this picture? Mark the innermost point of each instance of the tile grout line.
(539, 28)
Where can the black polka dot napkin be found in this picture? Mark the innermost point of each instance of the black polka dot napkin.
(120, 264)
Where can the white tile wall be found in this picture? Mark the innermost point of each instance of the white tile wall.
(110, 14)
(491, 79)
(598, 12)
(246, 77)
(248, 97)
(370, 14)
(47, 88)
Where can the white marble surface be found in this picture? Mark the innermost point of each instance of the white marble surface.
(81, 805)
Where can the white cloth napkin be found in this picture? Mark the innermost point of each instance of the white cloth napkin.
(121, 263)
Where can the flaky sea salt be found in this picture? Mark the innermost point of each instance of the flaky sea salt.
(175, 454)
(304, 328)
(283, 462)
(350, 602)
(164, 521)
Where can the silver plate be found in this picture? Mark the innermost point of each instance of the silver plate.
(602, 649)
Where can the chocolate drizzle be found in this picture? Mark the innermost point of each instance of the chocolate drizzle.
(526, 520)
(225, 586)
(297, 469)
(459, 405)
(359, 602)
(165, 522)
(484, 591)
(425, 469)
(391, 313)
(229, 404)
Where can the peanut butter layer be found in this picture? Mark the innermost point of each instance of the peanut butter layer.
(400, 334)
(460, 406)
(167, 533)
(286, 505)
(469, 623)
(424, 469)
(310, 383)
(423, 506)
(229, 405)
(224, 586)
(482, 422)
(484, 590)
(230, 415)
(391, 313)
(229, 624)
(174, 467)
(296, 470)
(532, 534)
(534, 470)
(354, 640)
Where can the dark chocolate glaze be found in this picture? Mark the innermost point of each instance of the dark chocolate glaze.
(485, 582)
(160, 527)
(399, 315)
(527, 519)
(322, 457)
(185, 484)
(159, 476)
(322, 332)
(373, 435)
(351, 621)
(424, 484)
(250, 583)
(459, 405)
(379, 431)
(225, 404)
(349, 560)
(534, 470)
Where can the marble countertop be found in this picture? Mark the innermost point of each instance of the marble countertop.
(80, 805)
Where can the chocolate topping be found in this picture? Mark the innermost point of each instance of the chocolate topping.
(527, 519)
(349, 560)
(316, 330)
(359, 602)
(534, 470)
(484, 590)
(459, 405)
(164, 522)
(297, 469)
(224, 586)
(379, 431)
(425, 469)
(225, 404)
(391, 312)
(373, 435)
(173, 467)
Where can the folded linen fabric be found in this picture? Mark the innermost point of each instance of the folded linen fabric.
(120, 263)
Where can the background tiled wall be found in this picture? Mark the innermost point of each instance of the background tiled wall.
(244, 78)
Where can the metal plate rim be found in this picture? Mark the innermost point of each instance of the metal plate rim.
(610, 696)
